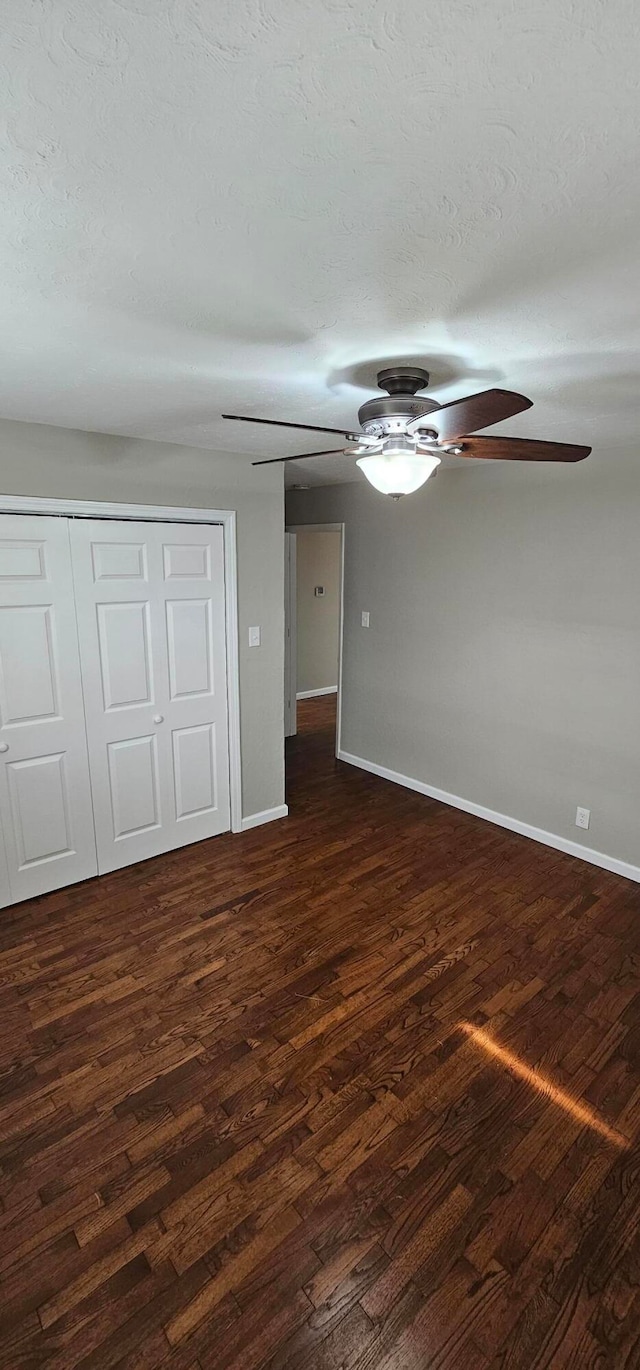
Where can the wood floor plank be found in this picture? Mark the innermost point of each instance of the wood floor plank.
(358, 1090)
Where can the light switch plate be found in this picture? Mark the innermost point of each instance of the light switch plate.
(254, 637)
(365, 618)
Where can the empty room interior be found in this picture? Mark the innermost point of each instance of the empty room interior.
(319, 686)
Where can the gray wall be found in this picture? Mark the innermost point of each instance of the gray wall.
(36, 459)
(317, 563)
(503, 659)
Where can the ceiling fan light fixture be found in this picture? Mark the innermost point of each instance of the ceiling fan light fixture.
(397, 472)
(397, 447)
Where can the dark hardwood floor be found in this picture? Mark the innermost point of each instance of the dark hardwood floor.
(359, 1089)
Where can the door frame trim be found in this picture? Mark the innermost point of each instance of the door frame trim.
(290, 633)
(170, 513)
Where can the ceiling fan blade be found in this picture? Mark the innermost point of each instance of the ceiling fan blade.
(280, 423)
(455, 420)
(522, 449)
(302, 456)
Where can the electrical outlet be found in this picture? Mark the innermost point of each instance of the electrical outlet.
(365, 618)
(583, 817)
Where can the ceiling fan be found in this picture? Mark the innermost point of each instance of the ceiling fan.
(403, 433)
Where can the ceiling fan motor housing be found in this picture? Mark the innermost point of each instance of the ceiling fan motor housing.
(389, 414)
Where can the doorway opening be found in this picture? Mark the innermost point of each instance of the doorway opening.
(314, 592)
(310, 762)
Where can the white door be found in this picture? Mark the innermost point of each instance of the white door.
(45, 796)
(290, 649)
(151, 620)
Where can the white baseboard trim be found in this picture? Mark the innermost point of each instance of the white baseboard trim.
(549, 839)
(255, 820)
(312, 694)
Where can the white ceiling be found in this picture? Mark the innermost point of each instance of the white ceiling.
(252, 205)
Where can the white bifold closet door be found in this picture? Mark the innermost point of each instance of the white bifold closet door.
(150, 608)
(47, 837)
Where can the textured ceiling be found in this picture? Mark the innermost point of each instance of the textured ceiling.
(251, 205)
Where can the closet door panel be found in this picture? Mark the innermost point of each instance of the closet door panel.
(150, 600)
(133, 786)
(124, 654)
(39, 796)
(195, 769)
(28, 683)
(189, 648)
(45, 796)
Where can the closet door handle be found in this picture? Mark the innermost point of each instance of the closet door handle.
(158, 718)
(4, 746)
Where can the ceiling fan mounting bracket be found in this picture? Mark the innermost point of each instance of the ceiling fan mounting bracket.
(402, 380)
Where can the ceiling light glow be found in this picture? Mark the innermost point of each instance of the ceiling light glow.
(397, 471)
